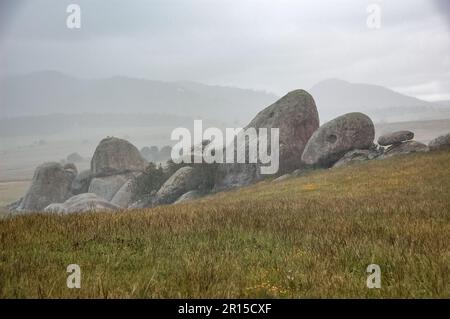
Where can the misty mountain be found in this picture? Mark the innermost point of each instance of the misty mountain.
(43, 125)
(50, 92)
(334, 97)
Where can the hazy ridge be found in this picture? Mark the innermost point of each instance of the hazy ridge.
(47, 92)
(335, 97)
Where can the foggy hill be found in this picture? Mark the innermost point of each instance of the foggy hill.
(58, 123)
(334, 97)
(443, 103)
(50, 92)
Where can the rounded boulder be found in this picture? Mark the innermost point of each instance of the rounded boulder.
(116, 156)
(51, 184)
(337, 137)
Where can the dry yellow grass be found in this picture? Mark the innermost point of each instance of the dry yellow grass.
(12, 191)
(311, 236)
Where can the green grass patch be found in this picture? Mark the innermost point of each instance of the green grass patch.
(310, 236)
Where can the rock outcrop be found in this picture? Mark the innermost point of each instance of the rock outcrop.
(115, 156)
(440, 143)
(183, 180)
(297, 118)
(395, 138)
(107, 187)
(87, 202)
(51, 184)
(126, 193)
(337, 137)
(357, 156)
(405, 148)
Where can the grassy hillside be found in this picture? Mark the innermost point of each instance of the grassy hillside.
(311, 236)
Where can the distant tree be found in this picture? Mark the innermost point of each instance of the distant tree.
(74, 158)
(151, 179)
(165, 153)
(150, 153)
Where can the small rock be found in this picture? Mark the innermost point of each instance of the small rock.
(282, 178)
(87, 202)
(440, 143)
(189, 196)
(405, 148)
(183, 180)
(395, 138)
(144, 201)
(14, 205)
(356, 156)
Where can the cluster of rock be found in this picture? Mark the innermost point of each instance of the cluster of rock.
(117, 166)
(110, 183)
(400, 143)
(297, 118)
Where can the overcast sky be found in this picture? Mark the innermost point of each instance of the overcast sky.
(272, 45)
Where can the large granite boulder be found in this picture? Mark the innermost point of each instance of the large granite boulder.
(106, 187)
(115, 156)
(87, 202)
(405, 148)
(395, 138)
(337, 137)
(51, 184)
(440, 143)
(297, 118)
(81, 182)
(183, 180)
